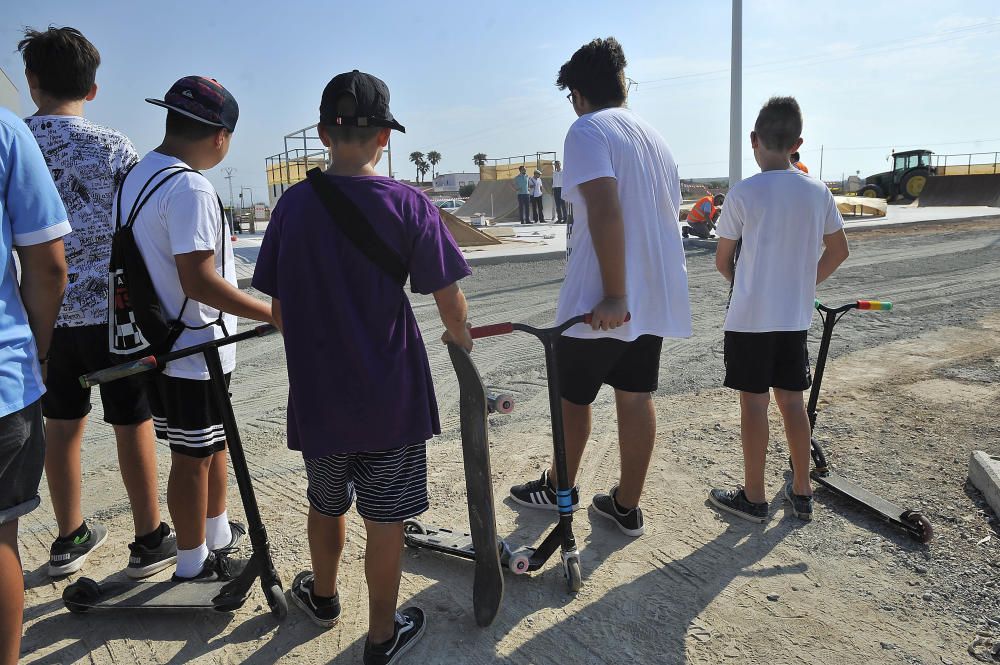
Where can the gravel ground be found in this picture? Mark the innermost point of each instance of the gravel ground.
(908, 395)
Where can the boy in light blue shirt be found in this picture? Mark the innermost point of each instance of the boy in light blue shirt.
(32, 219)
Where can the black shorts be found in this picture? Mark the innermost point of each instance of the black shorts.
(22, 458)
(391, 485)
(77, 351)
(756, 362)
(586, 364)
(185, 415)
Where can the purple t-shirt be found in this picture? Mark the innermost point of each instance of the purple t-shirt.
(358, 374)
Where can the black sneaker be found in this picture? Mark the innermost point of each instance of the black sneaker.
(540, 494)
(217, 568)
(324, 612)
(802, 506)
(410, 626)
(630, 523)
(68, 556)
(239, 532)
(736, 503)
(145, 561)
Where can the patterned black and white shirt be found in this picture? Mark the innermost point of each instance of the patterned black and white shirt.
(87, 162)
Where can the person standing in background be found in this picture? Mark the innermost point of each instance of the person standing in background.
(559, 215)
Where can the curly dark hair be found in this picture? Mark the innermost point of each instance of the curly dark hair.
(779, 123)
(64, 61)
(596, 71)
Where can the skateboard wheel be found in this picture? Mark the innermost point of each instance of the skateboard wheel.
(81, 594)
(520, 562)
(414, 527)
(574, 576)
(500, 403)
(277, 601)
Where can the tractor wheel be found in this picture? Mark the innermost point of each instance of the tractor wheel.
(871, 192)
(913, 183)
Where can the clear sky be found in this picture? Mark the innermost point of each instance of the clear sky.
(470, 77)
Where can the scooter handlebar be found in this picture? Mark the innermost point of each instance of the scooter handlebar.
(883, 305)
(495, 329)
(873, 305)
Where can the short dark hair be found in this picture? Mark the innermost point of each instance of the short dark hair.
(596, 71)
(183, 127)
(347, 106)
(64, 61)
(779, 123)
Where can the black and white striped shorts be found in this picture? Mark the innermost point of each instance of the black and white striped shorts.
(185, 415)
(391, 485)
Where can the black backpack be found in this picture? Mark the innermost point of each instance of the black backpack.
(138, 324)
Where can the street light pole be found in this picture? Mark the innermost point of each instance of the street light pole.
(229, 176)
(736, 97)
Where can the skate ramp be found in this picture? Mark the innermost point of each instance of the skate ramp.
(465, 235)
(861, 205)
(961, 190)
(497, 200)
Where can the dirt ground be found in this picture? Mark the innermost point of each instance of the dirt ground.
(908, 394)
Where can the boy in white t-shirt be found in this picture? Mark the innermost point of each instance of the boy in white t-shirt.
(782, 218)
(626, 257)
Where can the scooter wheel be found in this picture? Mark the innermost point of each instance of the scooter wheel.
(574, 576)
(79, 596)
(277, 601)
(414, 527)
(925, 532)
(520, 563)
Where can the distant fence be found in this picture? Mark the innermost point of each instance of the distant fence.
(969, 163)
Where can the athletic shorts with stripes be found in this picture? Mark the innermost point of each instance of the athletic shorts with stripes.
(185, 415)
(390, 485)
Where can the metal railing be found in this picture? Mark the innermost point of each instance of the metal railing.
(968, 163)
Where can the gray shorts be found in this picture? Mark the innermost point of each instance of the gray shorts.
(22, 458)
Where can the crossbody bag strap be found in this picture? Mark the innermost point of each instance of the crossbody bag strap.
(353, 223)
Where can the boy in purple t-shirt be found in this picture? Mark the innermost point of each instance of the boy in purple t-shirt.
(361, 403)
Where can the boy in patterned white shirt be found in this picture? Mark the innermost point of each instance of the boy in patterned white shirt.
(88, 162)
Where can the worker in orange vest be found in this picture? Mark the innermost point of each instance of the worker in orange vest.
(701, 218)
(797, 163)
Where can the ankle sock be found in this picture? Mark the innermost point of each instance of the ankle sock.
(190, 562)
(217, 531)
(80, 532)
(153, 539)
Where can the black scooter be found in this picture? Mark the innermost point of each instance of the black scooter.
(85, 594)
(915, 523)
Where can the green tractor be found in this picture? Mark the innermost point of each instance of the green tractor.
(910, 170)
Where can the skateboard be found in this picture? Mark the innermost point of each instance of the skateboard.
(481, 543)
(86, 594)
(915, 523)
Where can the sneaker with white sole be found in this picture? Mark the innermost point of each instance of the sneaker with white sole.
(802, 506)
(630, 522)
(410, 625)
(735, 502)
(324, 612)
(541, 494)
(145, 561)
(68, 555)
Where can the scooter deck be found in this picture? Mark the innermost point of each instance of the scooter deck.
(120, 595)
(442, 540)
(855, 492)
(487, 593)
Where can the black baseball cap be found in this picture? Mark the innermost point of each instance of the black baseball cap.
(371, 96)
(202, 99)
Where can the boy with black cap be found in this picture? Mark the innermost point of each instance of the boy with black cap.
(361, 403)
(181, 232)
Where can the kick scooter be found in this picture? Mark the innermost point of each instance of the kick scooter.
(85, 594)
(912, 521)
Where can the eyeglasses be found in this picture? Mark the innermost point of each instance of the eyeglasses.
(570, 97)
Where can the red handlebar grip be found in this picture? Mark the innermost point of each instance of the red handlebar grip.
(491, 330)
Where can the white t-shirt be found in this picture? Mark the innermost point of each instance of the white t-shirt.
(616, 143)
(535, 187)
(781, 217)
(182, 216)
(557, 179)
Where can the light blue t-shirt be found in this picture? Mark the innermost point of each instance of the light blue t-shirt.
(521, 183)
(32, 213)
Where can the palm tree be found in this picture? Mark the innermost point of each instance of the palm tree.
(479, 158)
(433, 157)
(417, 157)
(422, 168)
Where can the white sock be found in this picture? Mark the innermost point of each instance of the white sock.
(190, 562)
(217, 531)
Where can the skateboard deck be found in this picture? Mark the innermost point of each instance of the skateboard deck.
(86, 595)
(487, 591)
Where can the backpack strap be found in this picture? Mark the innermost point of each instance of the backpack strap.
(353, 223)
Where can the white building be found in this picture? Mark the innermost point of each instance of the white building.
(451, 182)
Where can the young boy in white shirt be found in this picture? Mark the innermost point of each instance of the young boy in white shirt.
(783, 218)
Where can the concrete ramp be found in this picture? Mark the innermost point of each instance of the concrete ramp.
(961, 190)
(497, 200)
(465, 235)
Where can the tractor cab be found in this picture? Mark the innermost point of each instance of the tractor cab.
(910, 170)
